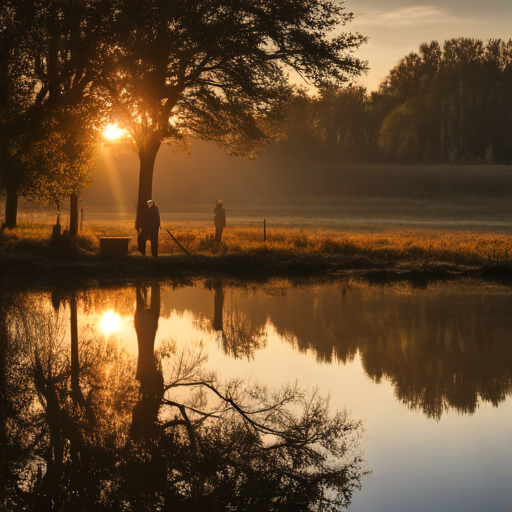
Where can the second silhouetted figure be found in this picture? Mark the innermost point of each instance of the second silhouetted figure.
(219, 220)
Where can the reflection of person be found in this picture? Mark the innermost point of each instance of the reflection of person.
(153, 226)
(219, 220)
(148, 374)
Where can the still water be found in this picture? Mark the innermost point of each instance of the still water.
(165, 396)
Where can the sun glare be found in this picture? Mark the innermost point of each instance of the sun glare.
(110, 322)
(113, 132)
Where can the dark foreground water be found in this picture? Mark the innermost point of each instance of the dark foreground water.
(164, 397)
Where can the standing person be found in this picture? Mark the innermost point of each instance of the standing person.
(153, 226)
(219, 220)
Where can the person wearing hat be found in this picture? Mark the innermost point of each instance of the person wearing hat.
(148, 226)
(153, 226)
(219, 220)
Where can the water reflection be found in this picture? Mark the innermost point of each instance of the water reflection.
(87, 427)
(238, 334)
(443, 347)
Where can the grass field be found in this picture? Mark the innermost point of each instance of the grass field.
(390, 246)
(303, 236)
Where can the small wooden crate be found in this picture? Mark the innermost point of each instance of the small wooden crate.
(114, 244)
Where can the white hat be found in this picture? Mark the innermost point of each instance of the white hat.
(150, 202)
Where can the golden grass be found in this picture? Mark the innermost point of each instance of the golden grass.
(407, 246)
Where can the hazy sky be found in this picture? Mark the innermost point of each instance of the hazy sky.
(397, 27)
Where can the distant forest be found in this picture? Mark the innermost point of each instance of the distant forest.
(449, 103)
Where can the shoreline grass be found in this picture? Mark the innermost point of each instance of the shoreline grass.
(27, 252)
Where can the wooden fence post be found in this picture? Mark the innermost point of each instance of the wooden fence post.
(81, 214)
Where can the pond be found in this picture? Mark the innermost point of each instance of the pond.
(218, 393)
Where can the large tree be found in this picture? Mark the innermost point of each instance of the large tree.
(220, 69)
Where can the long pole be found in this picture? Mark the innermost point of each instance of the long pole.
(179, 245)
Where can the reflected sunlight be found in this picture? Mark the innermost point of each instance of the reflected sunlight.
(113, 132)
(110, 322)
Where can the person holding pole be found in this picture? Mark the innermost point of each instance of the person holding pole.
(153, 226)
(219, 220)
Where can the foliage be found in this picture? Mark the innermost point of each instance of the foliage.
(446, 103)
(58, 156)
(216, 70)
(400, 132)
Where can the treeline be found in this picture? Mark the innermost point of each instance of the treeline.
(444, 104)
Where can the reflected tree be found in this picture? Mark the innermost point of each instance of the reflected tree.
(150, 377)
(240, 337)
(213, 445)
(440, 348)
(185, 440)
(145, 462)
(16, 396)
(250, 448)
(74, 443)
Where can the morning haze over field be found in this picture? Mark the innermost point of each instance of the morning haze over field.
(322, 321)
(394, 29)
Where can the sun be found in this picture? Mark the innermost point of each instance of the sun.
(113, 132)
(110, 322)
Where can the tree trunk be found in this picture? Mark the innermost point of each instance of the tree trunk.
(4, 405)
(75, 364)
(73, 215)
(218, 307)
(147, 157)
(11, 208)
